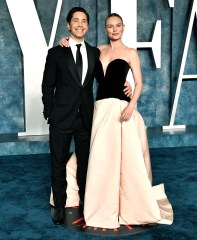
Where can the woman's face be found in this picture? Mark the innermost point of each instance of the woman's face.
(114, 28)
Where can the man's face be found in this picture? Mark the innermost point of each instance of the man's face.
(78, 26)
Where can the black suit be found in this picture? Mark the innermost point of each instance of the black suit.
(68, 106)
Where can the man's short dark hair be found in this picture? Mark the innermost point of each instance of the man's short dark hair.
(74, 10)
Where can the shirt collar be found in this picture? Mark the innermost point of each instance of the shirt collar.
(73, 43)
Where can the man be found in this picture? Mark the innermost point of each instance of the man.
(68, 106)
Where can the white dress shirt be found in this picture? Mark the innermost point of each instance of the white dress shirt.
(84, 56)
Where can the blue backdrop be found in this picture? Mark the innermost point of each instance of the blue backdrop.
(159, 84)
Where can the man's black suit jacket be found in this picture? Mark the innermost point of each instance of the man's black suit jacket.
(63, 93)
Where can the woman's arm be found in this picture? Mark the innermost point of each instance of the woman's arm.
(134, 63)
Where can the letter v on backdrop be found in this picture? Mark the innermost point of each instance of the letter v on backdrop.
(34, 48)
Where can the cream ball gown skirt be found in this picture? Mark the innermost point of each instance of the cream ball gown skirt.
(119, 179)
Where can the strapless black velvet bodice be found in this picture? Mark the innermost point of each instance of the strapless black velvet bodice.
(111, 84)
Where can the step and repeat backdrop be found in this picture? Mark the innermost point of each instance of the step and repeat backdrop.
(163, 31)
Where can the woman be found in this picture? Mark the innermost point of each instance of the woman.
(118, 184)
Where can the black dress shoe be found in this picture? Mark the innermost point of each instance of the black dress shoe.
(58, 216)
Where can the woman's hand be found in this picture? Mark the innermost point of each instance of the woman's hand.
(127, 113)
(64, 42)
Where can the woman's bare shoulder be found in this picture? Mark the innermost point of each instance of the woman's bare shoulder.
(101, 47)
(132, 53)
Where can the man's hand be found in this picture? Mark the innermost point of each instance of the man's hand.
(64, 42)
(128, 89)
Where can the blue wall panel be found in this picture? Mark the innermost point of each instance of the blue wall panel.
(155, 99)
(11, 76)
(187, 110)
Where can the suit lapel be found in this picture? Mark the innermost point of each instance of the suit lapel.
(72, 66)
(90, 56)
(70, 62)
